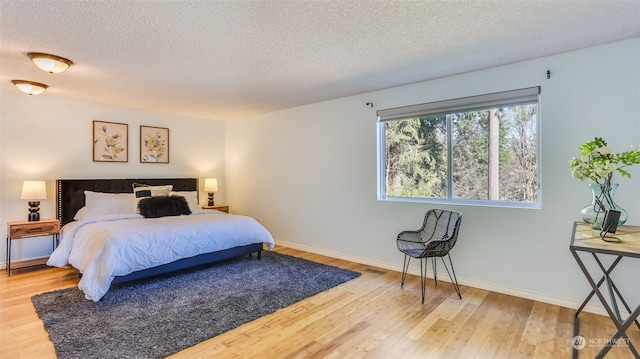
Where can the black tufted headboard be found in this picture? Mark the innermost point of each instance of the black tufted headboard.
(70, 192)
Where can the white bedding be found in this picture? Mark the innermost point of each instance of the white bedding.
(115, 245)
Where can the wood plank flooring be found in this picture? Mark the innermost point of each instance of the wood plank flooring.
(369, 317)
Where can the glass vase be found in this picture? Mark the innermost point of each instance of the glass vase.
(603, 199)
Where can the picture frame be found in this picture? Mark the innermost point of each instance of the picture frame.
(154, 144)
(110, 141)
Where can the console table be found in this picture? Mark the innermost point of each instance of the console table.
(587, 241)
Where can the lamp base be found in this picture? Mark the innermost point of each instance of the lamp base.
(34, 216)
(210, 203)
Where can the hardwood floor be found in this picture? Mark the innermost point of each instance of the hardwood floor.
(369, 317)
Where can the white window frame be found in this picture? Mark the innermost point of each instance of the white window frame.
(492, 100)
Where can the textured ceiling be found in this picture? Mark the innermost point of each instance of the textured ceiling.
(232, 59)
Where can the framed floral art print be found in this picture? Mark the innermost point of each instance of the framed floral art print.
(154, 144)
(110, 142)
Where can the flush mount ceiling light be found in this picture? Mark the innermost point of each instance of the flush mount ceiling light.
(50, 63)
(29, 87)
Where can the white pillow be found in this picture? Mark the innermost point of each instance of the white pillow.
(81, 214)
(192, 199)
(101, 204)
(143, 190)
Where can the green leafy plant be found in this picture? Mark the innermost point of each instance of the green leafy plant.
(598, 164)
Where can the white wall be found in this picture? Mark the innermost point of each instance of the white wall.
(309, 174)
(46, 138)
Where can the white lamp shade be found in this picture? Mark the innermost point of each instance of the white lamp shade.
(34, 190)
(211, 185)
(50, 63)
(29, 87)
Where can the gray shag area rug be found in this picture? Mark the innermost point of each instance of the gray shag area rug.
(161, 316)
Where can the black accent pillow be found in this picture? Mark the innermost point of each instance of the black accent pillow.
(154, 207)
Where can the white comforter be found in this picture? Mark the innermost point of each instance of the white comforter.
(104, 247)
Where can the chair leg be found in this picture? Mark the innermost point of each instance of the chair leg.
(423, 276)
(454, 280)
(405, 268)
(435, 270)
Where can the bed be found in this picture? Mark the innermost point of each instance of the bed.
(109, 248)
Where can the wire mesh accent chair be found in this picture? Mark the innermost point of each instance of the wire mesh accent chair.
(436, 238)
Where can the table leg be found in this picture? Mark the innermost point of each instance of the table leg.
(8, 264)
(615, 316)
(602, 279)
(611, 285)
(621, 334)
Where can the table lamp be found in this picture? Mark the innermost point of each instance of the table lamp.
(34, 191)
(210, 186)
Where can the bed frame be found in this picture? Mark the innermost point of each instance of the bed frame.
(70, 198)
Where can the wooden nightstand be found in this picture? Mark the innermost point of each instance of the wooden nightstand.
(219, 207)
(25, 229)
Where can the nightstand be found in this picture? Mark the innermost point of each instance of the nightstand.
(219, 207)
(25, 229)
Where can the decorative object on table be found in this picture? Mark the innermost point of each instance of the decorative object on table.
(210, 186)
(603, 198)
(610, 225)
(597, 165)
(110, 142)
(179, 311)
(154, 144)
(34, 191)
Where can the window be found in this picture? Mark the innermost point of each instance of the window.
(476, 150)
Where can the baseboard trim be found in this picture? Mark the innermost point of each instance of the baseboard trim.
(562, 302)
